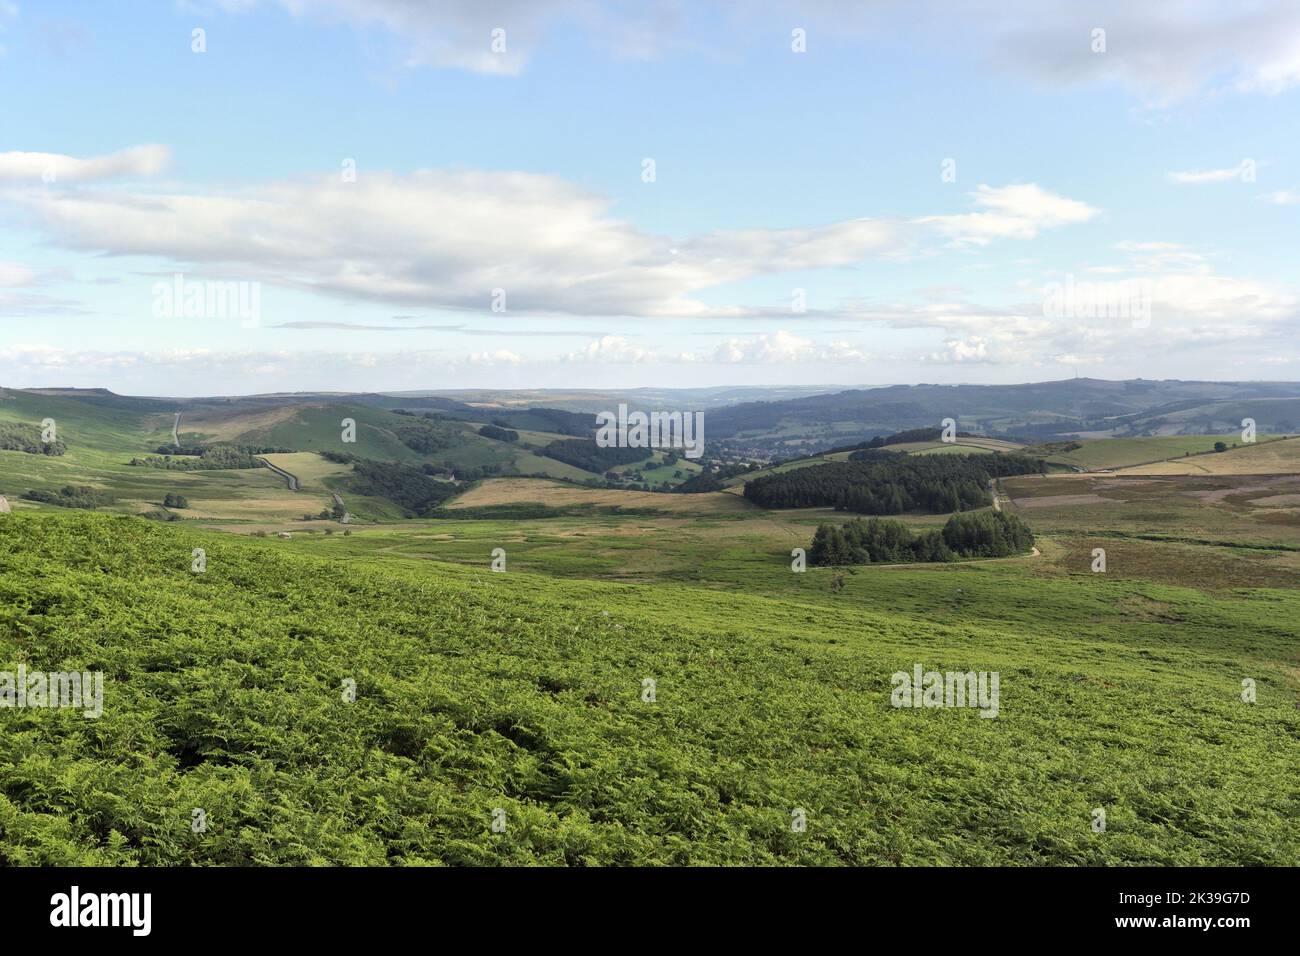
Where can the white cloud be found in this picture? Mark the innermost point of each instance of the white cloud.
(13, 274)
(784, 348)
(776, 348)
(1012, 212)
(1200, 177)
(1164, 51)
(447, 239)
(458, 34)
(1284, 197)
(495, 357)
(18, 295)
(958, 351)
(614, 350)
(50, 168)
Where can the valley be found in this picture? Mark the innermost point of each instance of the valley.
(500, 644)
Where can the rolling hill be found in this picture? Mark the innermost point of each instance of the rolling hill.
(375, 711)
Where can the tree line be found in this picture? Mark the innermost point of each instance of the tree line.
(587, 455)
(71, 496)
(20, 436)
(209, 457)
(498, 433)
(405, 485)
(982, 534)
(883, 482)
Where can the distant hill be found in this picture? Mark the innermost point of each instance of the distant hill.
(1033, 412)
(756, 423)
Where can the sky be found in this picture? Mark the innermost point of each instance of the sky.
(234, 196)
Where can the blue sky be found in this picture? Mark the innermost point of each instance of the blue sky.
(799, 227)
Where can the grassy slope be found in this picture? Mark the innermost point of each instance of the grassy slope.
(480, 690)
(101, 441)
(1261, 458)
(1125, 452)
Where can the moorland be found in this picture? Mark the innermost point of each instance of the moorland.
(461, 638)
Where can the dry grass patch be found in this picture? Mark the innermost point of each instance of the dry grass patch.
(1268, 458)
(510, 491)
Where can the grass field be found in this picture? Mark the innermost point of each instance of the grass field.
(1262, 458)
(1125, 452)
(503, 491)
(519, 691)
(962, 446)
(311, 470)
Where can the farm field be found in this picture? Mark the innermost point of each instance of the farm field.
(1114, 453)
(962, 446)
(1281, 457)
(1221, 508)
(312, 471)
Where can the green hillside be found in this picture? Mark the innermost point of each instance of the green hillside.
(1124, 452)
(477, 691)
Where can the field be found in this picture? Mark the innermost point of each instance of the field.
(1262, 458)
(1113, 453)
(510, 491)
(961, 446)
(526, 693)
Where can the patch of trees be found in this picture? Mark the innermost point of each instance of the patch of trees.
(339, 457)
(72, 496)
(210, 458)
(1057, 447)
(498, 433)
(555, 420)
(911, 435)
(19, 436)
(449, 470)
(425, 436)
(171, 500)
(405, 485)
(697, 484)
(170, 449)
(711, 479)
(882, 482)
(984, 534)
(587, 455)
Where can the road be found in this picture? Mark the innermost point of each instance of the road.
(291, 480)
(176, 437)
(998, 497)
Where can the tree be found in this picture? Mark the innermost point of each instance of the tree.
(1220, 446)
(171, 500)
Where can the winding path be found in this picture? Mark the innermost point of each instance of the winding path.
(998, 496)
(291, 480)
